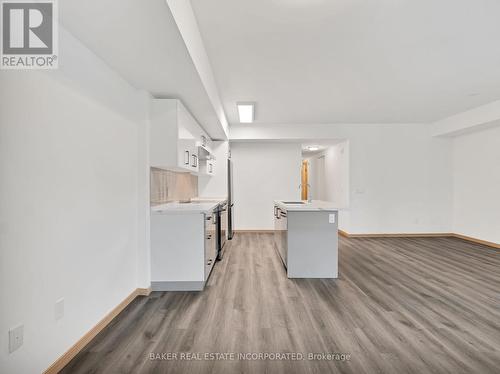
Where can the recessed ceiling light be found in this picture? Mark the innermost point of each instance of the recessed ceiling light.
(246, 112)
(313, 148)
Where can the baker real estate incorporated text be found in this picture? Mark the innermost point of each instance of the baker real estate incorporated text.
(249, 356)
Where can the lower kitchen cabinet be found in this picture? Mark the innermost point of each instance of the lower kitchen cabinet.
(183, 250)
(210, 243)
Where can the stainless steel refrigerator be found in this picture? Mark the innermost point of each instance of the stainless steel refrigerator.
(230, 199)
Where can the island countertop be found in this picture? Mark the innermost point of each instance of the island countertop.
(200, 206)
(305, 206)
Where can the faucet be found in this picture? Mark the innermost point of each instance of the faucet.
(308, 193)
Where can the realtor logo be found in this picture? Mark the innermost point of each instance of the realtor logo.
(29, 34)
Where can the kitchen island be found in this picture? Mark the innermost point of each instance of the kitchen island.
(306, 238)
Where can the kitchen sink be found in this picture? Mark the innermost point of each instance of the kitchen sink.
(294, 202)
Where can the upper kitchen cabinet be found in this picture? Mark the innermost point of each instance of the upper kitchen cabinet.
(207, 159)
(176, 140)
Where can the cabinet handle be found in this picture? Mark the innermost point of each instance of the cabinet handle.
(209, 237)
(186, 157)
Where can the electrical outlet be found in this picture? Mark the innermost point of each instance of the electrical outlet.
(59, 309)
(16, 338)
(331, 218)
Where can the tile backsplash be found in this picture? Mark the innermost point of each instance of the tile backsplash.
(167, 186)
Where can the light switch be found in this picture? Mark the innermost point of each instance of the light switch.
(331, 218)
(16, 338)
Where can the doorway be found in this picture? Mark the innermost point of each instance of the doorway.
(325, 172)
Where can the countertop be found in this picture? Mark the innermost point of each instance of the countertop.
(208, 199)
(197, 206)
(315, 205)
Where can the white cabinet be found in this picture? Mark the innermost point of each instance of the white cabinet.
(207, 158)
(175, 137)
(281, 233)
(210, 243)
(210, 167)
(187, 157)
(207, 166)
(183, 250)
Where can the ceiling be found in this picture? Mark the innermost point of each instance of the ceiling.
(352, 61)
(140, 40)
(321, 144)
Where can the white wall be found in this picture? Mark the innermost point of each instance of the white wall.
(320, 179)
(329, 178)
(337, 174)
(72, 218)
(400, 176)
(476, 182)
(262, 173)
(400, 181)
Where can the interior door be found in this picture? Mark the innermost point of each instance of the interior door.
(305, 180)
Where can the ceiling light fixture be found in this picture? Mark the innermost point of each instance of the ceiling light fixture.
(246, 112)
(313, 148)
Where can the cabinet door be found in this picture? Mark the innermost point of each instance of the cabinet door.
(188, 125)
(185, 151)
(195, 161)
(210, 243)
(188, 137)
(183, 154)
(213, 245)
(277, 228)
(284, 236)
(174, 137)
(163, 134)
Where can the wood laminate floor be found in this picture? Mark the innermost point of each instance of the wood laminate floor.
(412, 305)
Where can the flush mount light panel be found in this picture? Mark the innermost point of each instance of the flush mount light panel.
(246, 112)
(313, 148)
